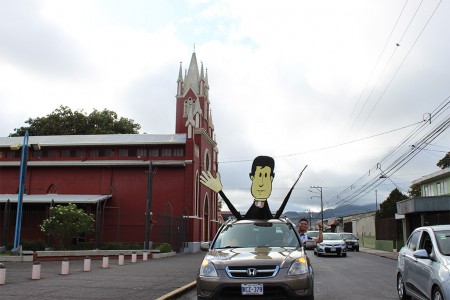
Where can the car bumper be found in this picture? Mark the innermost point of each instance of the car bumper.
(279, 287)
(331, 250)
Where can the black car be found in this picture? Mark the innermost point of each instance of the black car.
(350, 240)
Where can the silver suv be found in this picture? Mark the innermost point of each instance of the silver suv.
(262, 258)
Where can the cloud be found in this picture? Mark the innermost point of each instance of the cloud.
(321, 84)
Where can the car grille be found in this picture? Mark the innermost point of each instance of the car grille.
(252, 271)
(328, 250)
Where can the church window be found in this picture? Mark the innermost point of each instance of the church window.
(178, 152)
(207, 161)
(166, 152)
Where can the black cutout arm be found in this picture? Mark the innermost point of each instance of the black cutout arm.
(230, 206)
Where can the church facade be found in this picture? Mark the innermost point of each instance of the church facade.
(119, 178)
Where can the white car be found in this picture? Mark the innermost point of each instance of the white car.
(332, 244)
(423, 264)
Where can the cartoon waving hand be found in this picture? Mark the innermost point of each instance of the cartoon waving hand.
(208, 180)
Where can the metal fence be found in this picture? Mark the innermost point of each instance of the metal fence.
(389, 229)
(115, 227)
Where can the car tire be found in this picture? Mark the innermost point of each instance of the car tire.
(357, 249)
(401, 288)
(437, 294)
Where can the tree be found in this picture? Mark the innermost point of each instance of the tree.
(414, 191)
(445, 162)
(64, 121)
(389, 206)
(66, 222)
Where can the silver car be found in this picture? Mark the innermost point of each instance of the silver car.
(423, 265)
(332, 244)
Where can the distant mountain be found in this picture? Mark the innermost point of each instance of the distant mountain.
(343, 211)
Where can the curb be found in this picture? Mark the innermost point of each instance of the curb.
(178, 291)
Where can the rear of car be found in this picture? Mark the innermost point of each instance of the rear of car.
(310, 243)
(332, 244)
(423, 264)
(256, 258)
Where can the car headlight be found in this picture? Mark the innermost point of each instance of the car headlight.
(207, 269)
(298, 267)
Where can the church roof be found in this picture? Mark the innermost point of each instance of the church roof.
(97, 140)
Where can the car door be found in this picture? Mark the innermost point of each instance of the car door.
(425, 266)
(409, 261)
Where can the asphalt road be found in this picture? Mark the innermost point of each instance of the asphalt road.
(358, 276)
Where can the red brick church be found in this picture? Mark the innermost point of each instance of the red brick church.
(108, 176)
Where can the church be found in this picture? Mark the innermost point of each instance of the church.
(122, 178)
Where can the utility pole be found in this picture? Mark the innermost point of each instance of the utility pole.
(148, 210)
(319, 188)
(376, 201)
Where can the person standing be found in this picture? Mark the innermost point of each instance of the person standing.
(303, 228)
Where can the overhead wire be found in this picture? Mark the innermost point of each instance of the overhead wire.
(403, 159)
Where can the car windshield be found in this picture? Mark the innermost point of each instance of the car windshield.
(348, 236)
(443, 241)
(312, 234)
(332, 236)
(258, 234)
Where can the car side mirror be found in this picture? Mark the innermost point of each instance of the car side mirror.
(421, 253)
(204, 246)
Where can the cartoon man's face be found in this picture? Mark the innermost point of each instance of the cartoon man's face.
(261, 183)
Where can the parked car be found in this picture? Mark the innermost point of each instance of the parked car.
(350, 240)
(262, 258)
(332, 244)
(311, 244)
(423, 264)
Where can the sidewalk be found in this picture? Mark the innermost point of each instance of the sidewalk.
(151, 279)
(387, 254)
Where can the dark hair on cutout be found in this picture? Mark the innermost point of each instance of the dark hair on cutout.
(263, 161)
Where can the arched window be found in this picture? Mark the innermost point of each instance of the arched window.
(207, 161)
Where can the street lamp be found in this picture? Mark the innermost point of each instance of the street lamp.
(22, 177)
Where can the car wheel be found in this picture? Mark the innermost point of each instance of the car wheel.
(310, 297)
(437, 294)
(401, 288)
(357, 249)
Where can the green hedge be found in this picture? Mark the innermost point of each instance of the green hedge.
(164, 247)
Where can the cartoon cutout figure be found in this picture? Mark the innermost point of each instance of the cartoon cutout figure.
(262, 174)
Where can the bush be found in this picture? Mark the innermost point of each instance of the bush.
(66, 222)
(164, 247)
(37, 245)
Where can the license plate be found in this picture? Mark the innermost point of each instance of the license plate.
(333, 250)
(349, 246)
(252, 289)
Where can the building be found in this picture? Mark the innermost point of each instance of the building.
(110, 176)
(432, 207)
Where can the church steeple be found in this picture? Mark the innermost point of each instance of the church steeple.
(192, 78)
(180, 82)
(193, 106)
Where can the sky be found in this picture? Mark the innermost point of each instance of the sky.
(357, 91)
